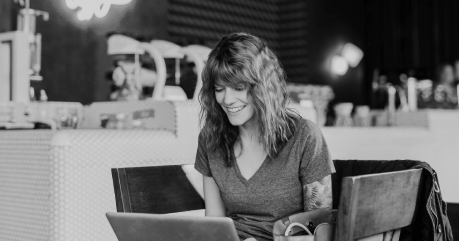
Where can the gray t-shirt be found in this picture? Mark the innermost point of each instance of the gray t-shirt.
(276, 189)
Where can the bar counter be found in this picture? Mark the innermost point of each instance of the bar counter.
(433, 139)
(57, 185)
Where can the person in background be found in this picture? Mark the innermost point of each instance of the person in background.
(456, 71)
(260, 161)
(456, 79)
(445, 92)
(380, 96)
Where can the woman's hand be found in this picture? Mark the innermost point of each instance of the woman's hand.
(250, 239)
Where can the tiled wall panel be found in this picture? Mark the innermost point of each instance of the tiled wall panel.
(282, 23)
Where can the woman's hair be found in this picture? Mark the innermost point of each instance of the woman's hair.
(241, 59)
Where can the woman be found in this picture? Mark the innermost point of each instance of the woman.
(260, 161)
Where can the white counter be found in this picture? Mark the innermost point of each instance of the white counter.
(437, 144)
(57, 185)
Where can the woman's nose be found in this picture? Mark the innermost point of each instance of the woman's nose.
(229, 97)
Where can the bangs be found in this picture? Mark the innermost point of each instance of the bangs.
(225, 74)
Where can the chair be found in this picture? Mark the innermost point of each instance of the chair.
(371, 207)
(453, 216)
(157, 189)
(377, 206)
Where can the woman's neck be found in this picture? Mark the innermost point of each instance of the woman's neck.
(248, 131)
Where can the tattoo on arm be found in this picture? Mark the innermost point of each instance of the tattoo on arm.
(318, 194)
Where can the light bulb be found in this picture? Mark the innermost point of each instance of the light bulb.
(339, 65)
(352, 54)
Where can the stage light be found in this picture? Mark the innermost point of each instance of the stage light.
(352, 54)
(339, 65)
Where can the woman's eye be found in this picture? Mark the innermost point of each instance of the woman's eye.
(218, 89)
(240, 88)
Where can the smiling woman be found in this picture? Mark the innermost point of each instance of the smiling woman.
(260, 160)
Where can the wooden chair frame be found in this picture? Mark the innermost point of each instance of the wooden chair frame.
(372, 207)
(157, 189)
(376, 206)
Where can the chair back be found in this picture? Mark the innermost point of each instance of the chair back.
(376, 206)
(453, 217)
(157, 189)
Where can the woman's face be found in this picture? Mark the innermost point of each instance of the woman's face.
(236, 104)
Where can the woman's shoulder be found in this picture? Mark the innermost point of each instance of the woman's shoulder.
(202, 141)
(305, 128)
(205, 145)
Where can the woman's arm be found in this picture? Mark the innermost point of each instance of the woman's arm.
(214, 204)
(318, 194)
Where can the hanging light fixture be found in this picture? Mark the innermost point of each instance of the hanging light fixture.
(339, 65)
(89, 8)
(352, 54)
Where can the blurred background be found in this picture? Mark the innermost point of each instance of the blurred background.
(396, 37)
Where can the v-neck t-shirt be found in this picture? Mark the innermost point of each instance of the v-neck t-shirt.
(276, 189)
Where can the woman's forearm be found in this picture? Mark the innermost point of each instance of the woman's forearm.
(214, 203)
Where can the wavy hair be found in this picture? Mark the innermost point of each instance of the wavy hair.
(241, 59)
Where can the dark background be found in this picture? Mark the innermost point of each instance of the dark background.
(396, 36)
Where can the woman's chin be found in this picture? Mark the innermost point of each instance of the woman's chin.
(235, 122)
(241, 121)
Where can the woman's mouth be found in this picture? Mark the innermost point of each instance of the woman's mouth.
(235, 109)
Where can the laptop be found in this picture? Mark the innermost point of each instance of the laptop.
(158, 227)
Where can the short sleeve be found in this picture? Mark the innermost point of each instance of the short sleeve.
(316, 161)
(202, 162)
